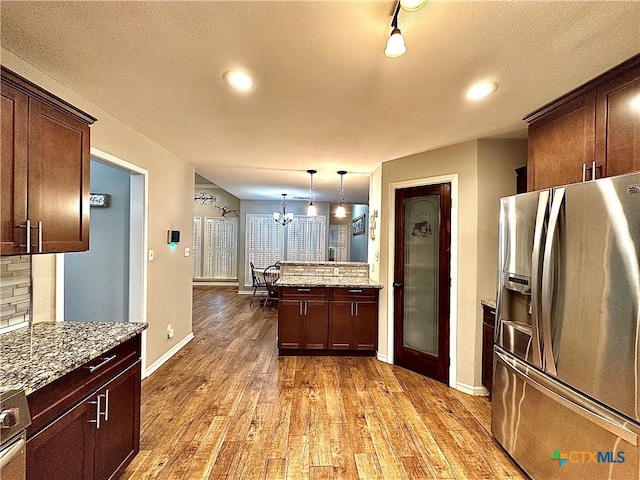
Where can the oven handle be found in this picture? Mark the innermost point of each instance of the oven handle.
(10, 453)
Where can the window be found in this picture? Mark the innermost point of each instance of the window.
(216, 255)
(306, 240)
(220, 248)
(264, 243)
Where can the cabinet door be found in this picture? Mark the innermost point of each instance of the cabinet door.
(58, 179)
(64, 449)
(117, 440)
(618, 124)
(13, 171)
(341, 325)
(289, 324)
(365, 326)
(316, 325)
(560, 144)
(487, 356)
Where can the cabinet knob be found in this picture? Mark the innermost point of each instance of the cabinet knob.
(397, 284)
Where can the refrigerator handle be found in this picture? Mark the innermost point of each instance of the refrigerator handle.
(536, 270)
(547, 282)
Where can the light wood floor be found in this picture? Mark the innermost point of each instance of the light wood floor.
(228, 407)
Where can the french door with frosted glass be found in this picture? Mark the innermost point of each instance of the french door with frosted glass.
(422, 280)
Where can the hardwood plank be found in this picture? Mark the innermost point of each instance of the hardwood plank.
(226, 407)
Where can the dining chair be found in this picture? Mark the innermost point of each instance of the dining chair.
(271, 275)
(258, 282)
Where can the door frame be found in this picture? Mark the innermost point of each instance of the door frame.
(138, 246)
(453, 266)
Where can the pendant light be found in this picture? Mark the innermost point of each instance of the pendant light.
(311, 209)
(341, 212)
(395, 43)
(284, 217)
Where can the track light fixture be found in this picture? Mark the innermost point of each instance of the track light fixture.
(395, 43)
(284, 217)
(311, 209)
(412, 5)
(341, 212)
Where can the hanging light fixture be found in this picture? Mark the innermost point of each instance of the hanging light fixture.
(311, 209)
(341, 212)
(284, 217)
(395, 43)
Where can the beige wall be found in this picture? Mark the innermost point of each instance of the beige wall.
(497, 161)
(170, 196)
(224, 198)
(479, 186)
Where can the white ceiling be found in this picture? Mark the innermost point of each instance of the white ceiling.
(326, 97)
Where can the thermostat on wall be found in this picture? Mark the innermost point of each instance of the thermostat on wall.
(173, 236)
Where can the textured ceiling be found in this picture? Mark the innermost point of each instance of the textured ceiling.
(326, 96)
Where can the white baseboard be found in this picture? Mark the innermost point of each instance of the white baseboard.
(260, 293)
(170, 353)
(382, 357)
(214, 284)
(470, 390)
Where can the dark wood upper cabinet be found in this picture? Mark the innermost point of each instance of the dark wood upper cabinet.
(618, 124)
(591, 132)
(45, 171)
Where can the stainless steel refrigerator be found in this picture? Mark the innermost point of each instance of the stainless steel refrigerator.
(565, 400)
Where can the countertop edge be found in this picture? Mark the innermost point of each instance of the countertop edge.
(33, 371)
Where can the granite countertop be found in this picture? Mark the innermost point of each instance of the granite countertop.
(331, 264)
(488, 303)
(315, 281)
(34, 356)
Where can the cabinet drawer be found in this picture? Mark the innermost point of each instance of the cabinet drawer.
(303, 293)
(52, 400)
(355, 294)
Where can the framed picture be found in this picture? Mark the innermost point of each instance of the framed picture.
(358, 225)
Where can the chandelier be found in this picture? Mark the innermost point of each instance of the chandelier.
(284, 217)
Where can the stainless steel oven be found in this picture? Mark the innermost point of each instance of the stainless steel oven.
(14, 420)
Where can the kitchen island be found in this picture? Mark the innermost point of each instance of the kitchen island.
(327, 308)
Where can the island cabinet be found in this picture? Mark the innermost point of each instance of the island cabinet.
(86, 424)
(303, 318)
(328, 320)
(353, 319)
(44, 164)
(591, 132)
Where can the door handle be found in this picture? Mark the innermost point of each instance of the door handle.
(397, 284)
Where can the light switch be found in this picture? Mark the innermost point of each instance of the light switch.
(150, 255)
(186, 251)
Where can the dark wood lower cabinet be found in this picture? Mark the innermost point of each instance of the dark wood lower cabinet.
(488, 329)
(328, 319)
(96, 437)
(64, 449)
(117, 440)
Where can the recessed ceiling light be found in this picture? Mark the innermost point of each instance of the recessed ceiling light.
(239, 80)
(481, 90)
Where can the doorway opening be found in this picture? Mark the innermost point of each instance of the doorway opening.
(109, 282)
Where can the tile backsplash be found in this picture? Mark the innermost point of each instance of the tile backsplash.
(15, 290)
